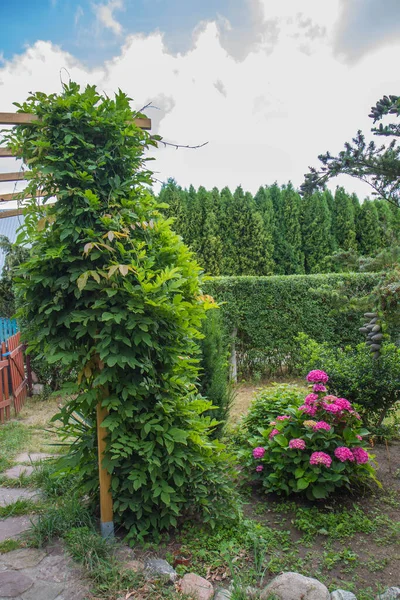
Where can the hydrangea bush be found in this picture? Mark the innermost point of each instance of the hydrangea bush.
(314, 449)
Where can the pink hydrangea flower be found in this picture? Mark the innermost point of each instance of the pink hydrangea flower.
(322, 425)
(258, 452)
(297, 444)
(309, 423)
(343, 454)
(320, 458)
(330, 398)
(359, 437)
(332, 408)
(282, 417)
(259, 468)
(360, 455)
(317, 376)
(273, 423)
(273, 433)
(343, 403)
(310, 399)
(319, 387)
(308, 410)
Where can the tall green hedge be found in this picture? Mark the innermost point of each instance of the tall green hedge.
(268, 312)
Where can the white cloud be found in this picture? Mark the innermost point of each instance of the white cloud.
(105, 15)
(78, 14)
(281, 107)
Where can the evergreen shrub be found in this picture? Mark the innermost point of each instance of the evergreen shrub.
(269, 312)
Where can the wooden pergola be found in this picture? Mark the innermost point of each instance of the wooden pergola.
(106, 502)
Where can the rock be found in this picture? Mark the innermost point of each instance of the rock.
(370, 315)
(160, 568)
(37, 389)
(35, 378)
(43, 590)
(11, 495)
(23, 558)
(197, 587)
(223, 595)
(342, 595)
(392, 593)
(32, 457)
(13, 584)
(293, 586)
(17, 471)
(12, 527)
(134, 565)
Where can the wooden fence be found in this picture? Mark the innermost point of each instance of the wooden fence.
(13, 378)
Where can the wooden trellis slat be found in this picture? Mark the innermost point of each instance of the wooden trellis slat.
(6, 153)
(10, 197)
(14, 212)
(20, 176)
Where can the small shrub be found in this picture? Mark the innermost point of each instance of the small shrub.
(374, 385)
(269, 403)
(314, 449)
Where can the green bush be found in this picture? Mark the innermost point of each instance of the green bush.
(269, 403)
(268, 313)
(374, 385)
(313, 450)
(111, 291)
(214, 369)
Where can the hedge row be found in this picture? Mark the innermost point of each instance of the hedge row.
(268, 313)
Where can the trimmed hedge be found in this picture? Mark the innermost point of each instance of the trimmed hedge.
(268, 313)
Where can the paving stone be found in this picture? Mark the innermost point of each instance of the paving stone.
(14, 526)
(43, 590)
(13, 584)
(342, 595)
(32, 457)
(18, 470)
(11, 495)
(197, 587)
(22, 558)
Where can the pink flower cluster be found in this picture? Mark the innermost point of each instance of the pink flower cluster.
(317, 376)
(360, 455)
(297, 444)
(322, 425)
(259, 468)
(273, 433)
(320, 458)
(308, 409)
(319, 387)
(258, 452)
(342, 453)
(311, 399)
(282, 417)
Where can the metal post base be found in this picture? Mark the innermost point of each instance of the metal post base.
(107, 530)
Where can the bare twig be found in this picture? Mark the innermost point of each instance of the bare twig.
(176, 146)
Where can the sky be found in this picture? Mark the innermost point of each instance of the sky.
(268, 84)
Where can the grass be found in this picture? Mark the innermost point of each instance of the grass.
(10, 545)
(14, 437)
(20, 507)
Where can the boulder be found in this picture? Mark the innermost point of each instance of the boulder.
(157, 567)
(197, 587)
(392, 593)
(293, 586)
(342, 595)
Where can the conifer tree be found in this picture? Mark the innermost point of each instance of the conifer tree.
(278, 236)
(264, 205)
(316, 232)
(208, 244)
(343, 221)
(386, 221)
(293, 257)
(368, 229)
(173, 195)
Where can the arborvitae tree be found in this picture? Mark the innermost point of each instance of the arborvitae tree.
(194, 218)
(208, 244)
(278, 239)
(228, 251)
(293, 257)
(173, 195)
(356, 205)
(264, 205)
(368, 229)
(343, 221)
(316, 233)
(386, 220)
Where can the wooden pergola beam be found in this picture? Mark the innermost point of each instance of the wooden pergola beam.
(6, 152)
(4, 214)
(11, 197)
(20, 176)
(28, 119)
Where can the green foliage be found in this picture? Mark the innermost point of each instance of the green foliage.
(14, 255)
(269, 312)
(374, 385)
(13, 436)
(214, 368)
(111, 291)
(284, 469)
(344, 226)
(268, 404)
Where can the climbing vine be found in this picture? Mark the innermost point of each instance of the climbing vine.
(110, 290)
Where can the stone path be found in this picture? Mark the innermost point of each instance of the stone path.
(30, 574)
(10, 495)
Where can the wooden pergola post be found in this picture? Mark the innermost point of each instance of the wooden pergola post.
(106, 501)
